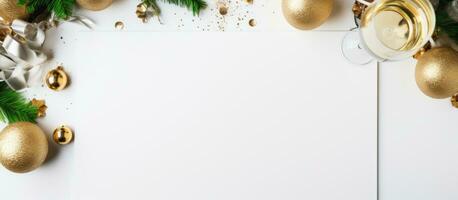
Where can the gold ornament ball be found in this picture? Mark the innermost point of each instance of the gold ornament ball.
(23, 147)
(62, 135)
(94, 5)
(437, 72)
(307, 14)
(57, 79)
(9, 10)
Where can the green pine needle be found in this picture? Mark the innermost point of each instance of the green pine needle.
(443, 21)
(153, 5)
(61, 8)
(14, 107)
(194, 5)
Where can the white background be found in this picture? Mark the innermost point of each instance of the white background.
(243, 119)
(418, 135)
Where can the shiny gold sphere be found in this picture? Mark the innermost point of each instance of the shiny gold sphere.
(307, 14)
(23, 147)
(57, 79)
(9, 11)
(62, 135)
(94, 5)
(437, 72)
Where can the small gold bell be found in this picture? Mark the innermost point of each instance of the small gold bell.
(62, 135)
(57, 79)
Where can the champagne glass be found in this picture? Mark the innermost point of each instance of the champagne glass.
(390, 30)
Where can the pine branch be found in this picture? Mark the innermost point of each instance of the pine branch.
(153, 5)
(61, 8)
(444, 22)
(14, 107)
(194, 5)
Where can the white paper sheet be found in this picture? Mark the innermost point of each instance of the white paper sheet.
(223, 116)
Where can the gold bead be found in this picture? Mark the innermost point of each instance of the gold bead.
(436, 72)
(57, 79)
(23, 147)
(252, 22)
(119, 25)
(62, 135)
(455, 100)
(307, 14)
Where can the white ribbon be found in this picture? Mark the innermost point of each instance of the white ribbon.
(21, 52)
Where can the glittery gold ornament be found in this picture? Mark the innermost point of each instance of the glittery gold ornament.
(57, 79)
(437, 72)
(23, 147)
(307, 14)
(62, 135)
(94, 5)
(9, 11)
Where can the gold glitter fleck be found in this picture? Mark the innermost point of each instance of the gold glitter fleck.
(252, 22)
(119, 25)
(249, 1)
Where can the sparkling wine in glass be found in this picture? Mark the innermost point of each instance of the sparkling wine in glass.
(390, 30)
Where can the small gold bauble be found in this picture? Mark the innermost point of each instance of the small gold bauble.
(23, 147)
(9, 11)
(307, 14)
(454, 100)
(437, 72)
(57, 79)
(94, 5)
(62, 135)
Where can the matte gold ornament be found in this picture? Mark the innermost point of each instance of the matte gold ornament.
(437, 72)
(307, 14)
(94, 5)
(62, 135)
(23, 147)
(57, 79)
(9, 11)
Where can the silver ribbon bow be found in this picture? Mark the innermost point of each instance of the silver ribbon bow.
(21, 52)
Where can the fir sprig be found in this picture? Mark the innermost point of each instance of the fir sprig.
(14, 107)
(61, 8)
(444, 22)
(194, 5)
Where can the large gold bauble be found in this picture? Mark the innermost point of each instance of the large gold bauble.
(94, 5)
(9, 10)
(437, 72)
(307, 14)
(23, 147)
